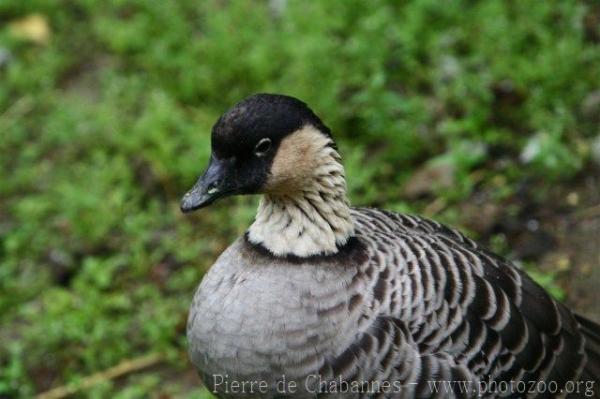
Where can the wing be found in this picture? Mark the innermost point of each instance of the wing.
(438, 307)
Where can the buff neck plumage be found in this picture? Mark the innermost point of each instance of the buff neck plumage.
(305, 210)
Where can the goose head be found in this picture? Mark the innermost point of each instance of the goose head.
(266, 143)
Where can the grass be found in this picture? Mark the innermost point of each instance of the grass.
(105, 122)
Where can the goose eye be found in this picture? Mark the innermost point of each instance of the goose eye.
(263, 147)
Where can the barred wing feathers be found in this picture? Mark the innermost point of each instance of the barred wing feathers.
(438, 307)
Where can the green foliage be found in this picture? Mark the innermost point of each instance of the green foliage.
(105, 126)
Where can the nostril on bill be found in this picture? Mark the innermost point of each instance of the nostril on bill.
(213, 188)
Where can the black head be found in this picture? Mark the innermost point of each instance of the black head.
(245, 141)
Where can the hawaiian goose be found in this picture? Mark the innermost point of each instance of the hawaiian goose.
(319, 298)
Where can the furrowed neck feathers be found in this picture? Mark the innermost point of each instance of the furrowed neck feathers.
(305, 210)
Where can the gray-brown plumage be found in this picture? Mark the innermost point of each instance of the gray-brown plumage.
(358, 302)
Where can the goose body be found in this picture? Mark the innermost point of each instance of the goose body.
(319, 298)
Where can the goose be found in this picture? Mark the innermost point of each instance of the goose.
(319, 298)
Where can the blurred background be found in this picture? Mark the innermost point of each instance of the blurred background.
(481, 114)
